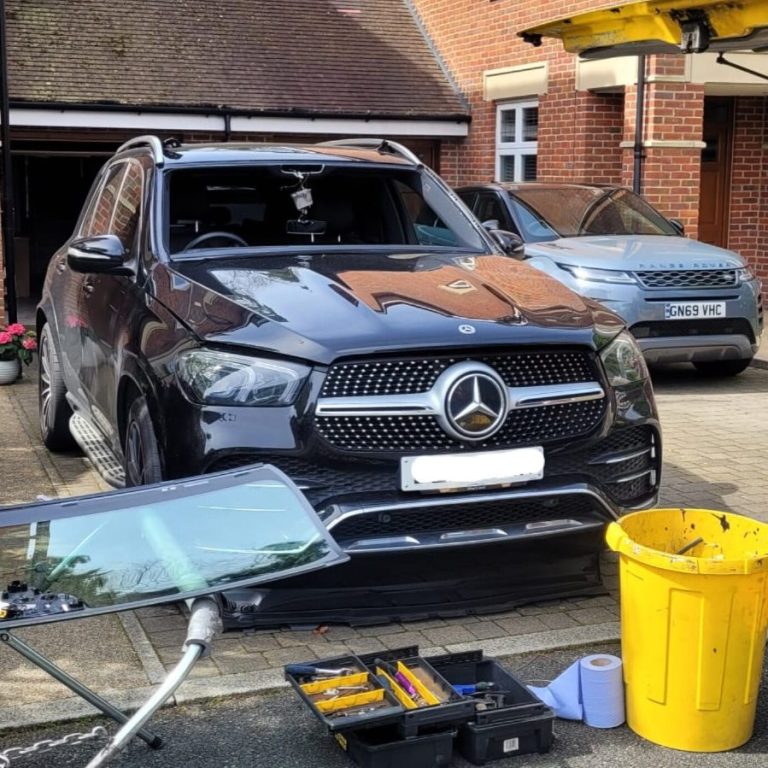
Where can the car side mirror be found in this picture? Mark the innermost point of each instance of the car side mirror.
(100, 254)
(492, 224)
(510, 243)
(678, 225)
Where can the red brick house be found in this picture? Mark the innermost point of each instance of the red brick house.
(84, 76)
(539, 112)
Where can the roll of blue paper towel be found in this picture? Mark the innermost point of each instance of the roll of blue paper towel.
(591, 689)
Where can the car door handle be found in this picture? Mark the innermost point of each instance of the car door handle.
(88, 288)
(61, 265)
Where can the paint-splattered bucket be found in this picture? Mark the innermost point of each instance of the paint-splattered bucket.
(693, 624)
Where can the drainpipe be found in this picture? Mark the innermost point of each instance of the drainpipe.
(9, 254)
(637, 170)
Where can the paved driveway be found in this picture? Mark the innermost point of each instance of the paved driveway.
(715, 440)
(715, 443)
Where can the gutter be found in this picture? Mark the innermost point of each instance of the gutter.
(222, 110)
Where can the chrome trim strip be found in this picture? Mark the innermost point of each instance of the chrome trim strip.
(615, 458)
(636, 476)
(462, 538)
(431, 403)
(556, 394)
(337, 517)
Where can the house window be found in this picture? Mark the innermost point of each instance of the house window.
(517, 133)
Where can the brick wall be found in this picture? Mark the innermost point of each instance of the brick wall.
(748, 219)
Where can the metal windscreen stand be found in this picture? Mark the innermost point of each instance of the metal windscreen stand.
(204, 624)
(74, 685)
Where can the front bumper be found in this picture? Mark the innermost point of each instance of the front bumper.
(733, 337)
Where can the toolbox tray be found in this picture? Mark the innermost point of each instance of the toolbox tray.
(397, 709)
(523, 725)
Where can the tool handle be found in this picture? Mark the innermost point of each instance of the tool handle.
(300, 670)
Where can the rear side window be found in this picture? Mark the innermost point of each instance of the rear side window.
(99, 216)
(125, 216)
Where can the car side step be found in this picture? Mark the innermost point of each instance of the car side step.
(95, 447)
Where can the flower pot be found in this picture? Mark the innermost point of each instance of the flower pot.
(9, 370)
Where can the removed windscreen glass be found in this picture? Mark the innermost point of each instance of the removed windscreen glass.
(570, 211)
(262, 207)
(195, 537)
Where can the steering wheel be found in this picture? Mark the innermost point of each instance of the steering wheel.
(210, 236)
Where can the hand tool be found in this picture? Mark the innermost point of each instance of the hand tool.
(469, 690)
(397, 675)
(307, 670)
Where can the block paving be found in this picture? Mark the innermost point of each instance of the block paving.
(715, 443)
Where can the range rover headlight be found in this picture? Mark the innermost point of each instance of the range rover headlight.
(743, 275)
(593, 275)
(221, 378)
(623, 361)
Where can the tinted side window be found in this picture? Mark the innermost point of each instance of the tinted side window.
(127, 209)
(468, 198)
(99, 218)
(489, 208)
(429, 228)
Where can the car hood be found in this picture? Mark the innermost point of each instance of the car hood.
(636, 253)
(322, 306)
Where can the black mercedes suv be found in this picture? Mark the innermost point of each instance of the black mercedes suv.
(463, 424)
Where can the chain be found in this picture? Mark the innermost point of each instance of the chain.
(98, 732)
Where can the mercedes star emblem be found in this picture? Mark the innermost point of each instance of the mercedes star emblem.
(475, 405)
(466, 328)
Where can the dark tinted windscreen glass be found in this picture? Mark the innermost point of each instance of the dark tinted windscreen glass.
(265, 207)
(193, 537)
(546, 213)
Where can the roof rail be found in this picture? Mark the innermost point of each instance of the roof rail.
(146, 141)
(383, 145)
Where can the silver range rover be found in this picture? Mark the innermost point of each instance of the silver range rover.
(683, 300)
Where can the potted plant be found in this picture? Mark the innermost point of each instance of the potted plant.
(16, 346)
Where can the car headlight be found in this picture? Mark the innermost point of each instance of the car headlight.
(593, 275)
(743, 275)
(623, 361)
(222, 378)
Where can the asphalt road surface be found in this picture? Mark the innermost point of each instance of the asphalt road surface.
(276, 731)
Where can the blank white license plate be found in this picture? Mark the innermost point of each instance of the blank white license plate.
(471, 470)
(694, 310)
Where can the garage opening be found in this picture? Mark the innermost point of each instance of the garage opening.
(51, 184)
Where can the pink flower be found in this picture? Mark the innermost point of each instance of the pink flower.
(16, 329)
(29, 344)
(5, 337)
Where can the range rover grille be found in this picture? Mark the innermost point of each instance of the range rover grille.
(688, 278)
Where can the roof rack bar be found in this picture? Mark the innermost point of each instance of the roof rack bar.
(146, 141)
(372, 143)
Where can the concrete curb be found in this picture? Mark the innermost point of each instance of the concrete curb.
(759, 363)
(265, 681)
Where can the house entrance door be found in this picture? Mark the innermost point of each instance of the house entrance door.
(714, 191)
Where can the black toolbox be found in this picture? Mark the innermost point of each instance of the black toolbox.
(519, 723)
(395, 709)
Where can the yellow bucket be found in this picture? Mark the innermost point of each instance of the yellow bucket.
(693, 625)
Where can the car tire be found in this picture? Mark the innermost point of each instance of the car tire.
(141, 455)
(53, 408)
(722, 367)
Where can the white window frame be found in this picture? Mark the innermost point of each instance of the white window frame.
(517, 148)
